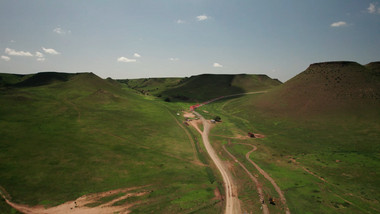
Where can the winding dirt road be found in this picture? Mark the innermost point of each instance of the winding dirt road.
(232, 201)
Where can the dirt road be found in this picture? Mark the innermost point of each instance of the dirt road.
(232, 201)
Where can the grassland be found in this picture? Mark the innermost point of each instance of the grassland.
(325, 161)
(79, 134)
(82, 135)
(343, 151)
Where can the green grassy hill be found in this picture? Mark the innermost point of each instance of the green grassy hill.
(324, 120)
(326, 88)
(202, 87)
(154, 86)
(11, 79)
(66, 135)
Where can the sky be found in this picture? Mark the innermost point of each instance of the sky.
(176, 38)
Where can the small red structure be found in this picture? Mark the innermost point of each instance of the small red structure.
(192, 108)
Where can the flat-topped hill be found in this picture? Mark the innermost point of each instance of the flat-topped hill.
(326, 87)
(202, 87)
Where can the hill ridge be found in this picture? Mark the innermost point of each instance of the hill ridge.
(326, 87)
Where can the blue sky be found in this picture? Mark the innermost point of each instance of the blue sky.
(176, 38)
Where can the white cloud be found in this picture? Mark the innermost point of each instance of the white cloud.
(39, 54)
(173, 59)
(125, 59)
(202, 17)
(13, 52)
(338, 24)
(217, 65)
(50, 51)
(371, 8)
(136, 55)
(60, 31)
(180, 21)
(5, 58)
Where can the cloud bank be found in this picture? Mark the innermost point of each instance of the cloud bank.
(12, 52)
(50, 51)
(5, 58)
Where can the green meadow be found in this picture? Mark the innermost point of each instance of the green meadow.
(68, 135)
(342, 150)
(84, 135)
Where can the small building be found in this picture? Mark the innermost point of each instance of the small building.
(212, 121)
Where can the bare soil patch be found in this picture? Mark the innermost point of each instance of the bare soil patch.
(188, 114)
(217, 194)
(195, 124)
(78, 206)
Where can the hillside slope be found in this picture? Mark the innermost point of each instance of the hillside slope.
(11, 79)
(202, 87)
(67, 135)
(322, 138)
(329, 87)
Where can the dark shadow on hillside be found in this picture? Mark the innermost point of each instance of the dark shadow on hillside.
(44, 78)
(202, 88)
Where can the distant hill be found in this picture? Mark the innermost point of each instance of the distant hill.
(44, 78)
(202, 87)
(11, 79)
(327, 87)
(153, 86)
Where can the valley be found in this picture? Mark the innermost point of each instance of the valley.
(67, 137)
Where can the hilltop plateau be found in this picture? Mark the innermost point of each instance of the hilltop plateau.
(202, 87)
(329, 87)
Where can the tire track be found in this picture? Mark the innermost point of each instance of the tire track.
(266, 175)
(254, 179)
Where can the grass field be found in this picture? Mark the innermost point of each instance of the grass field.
(67, 135)
(342, 150)
(70, 138)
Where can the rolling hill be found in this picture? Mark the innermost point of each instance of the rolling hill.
(322, 138)
(68, 135)
(202, 87)
(329, 87)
